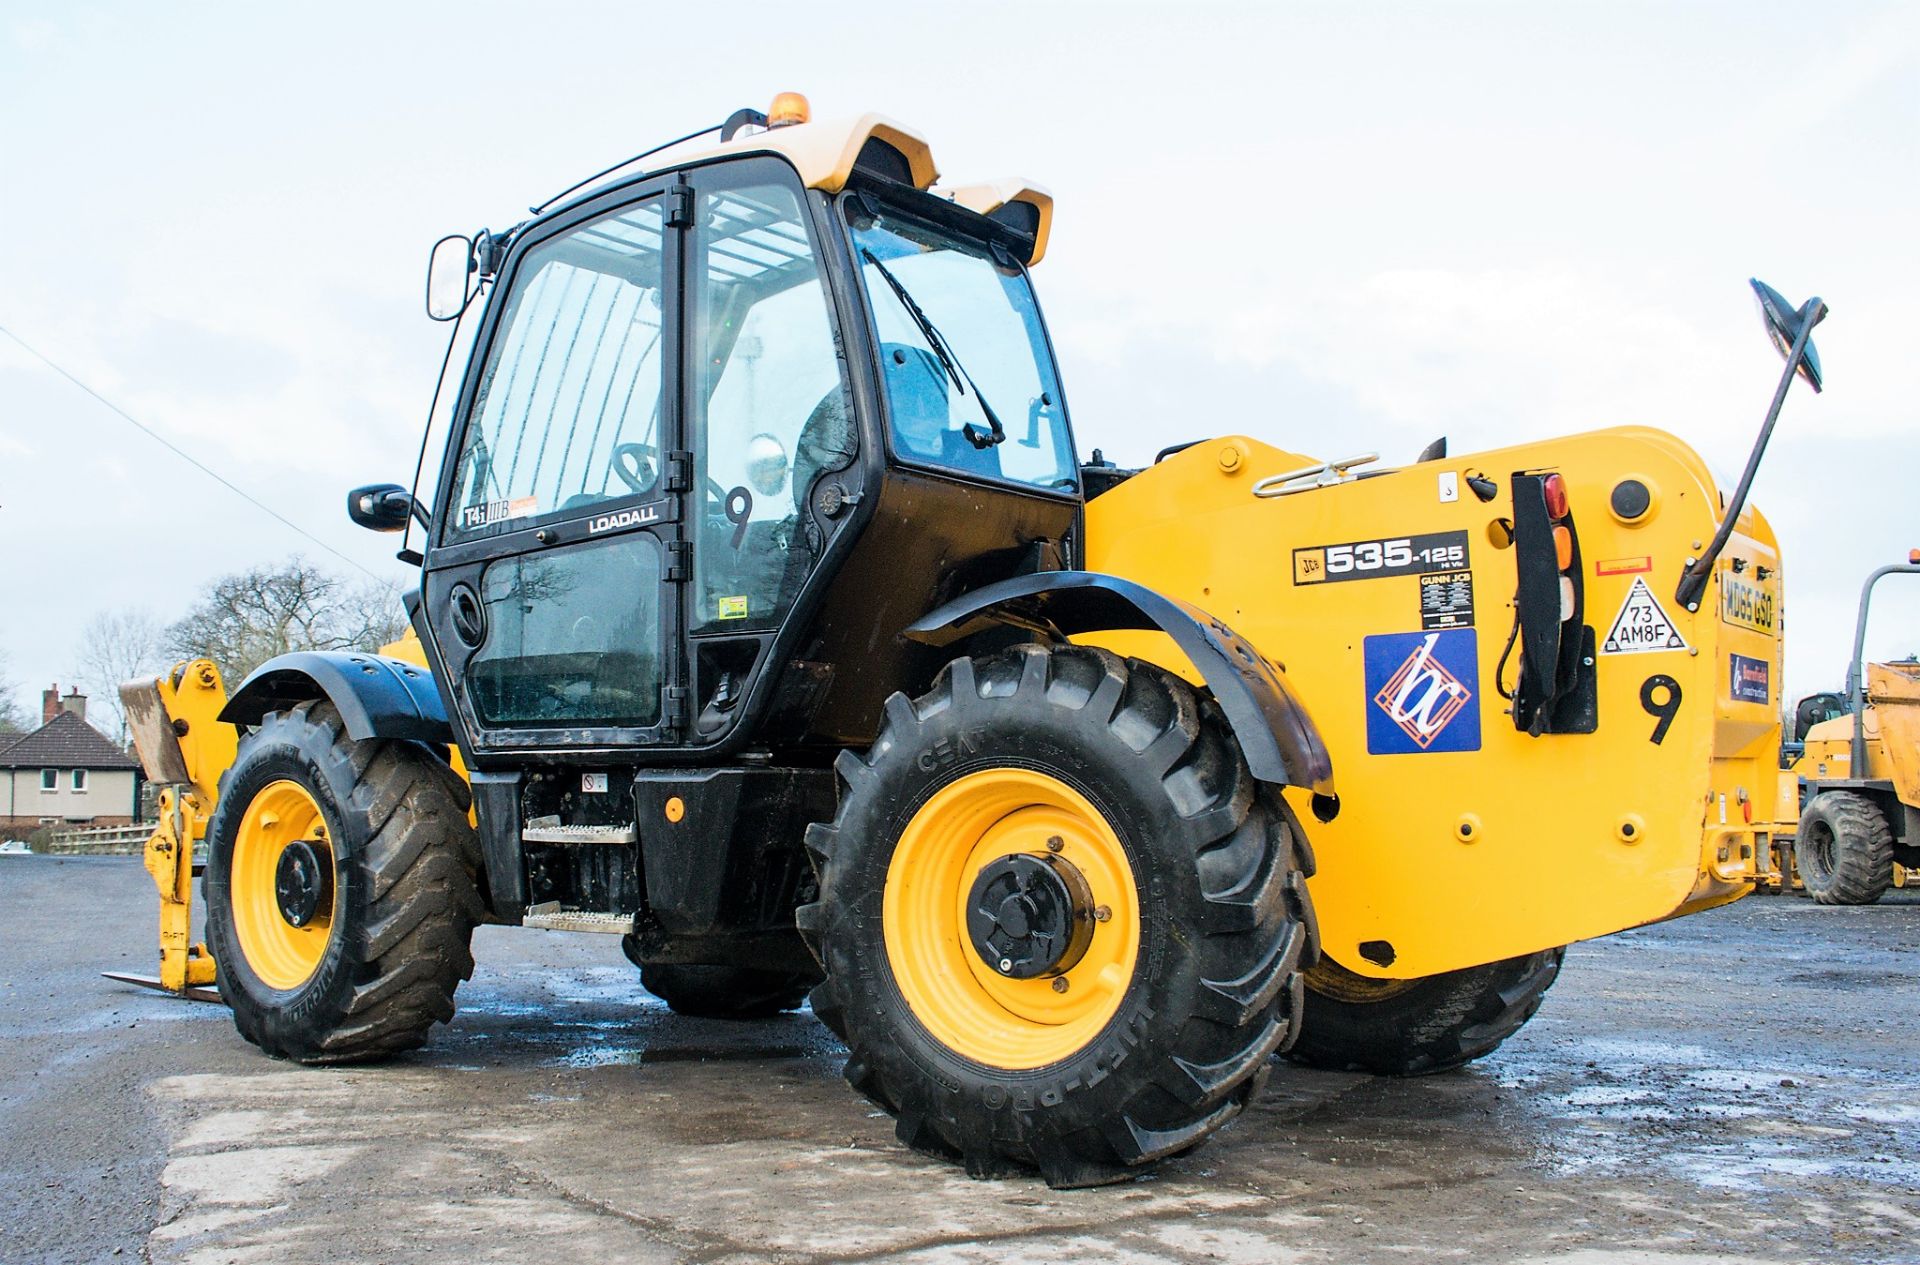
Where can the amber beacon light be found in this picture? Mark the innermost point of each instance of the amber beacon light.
(787, 109)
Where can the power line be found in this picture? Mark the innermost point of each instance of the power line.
(181, 453)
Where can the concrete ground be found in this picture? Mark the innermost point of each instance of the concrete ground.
(1740, 1085)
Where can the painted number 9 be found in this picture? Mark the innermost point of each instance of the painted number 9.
(739, 511)
(1660, 695)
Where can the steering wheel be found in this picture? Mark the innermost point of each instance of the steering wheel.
(637, 466)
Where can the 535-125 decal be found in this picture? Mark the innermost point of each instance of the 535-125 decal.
(1374, 559)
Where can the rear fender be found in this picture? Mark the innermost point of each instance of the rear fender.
(1279, 739)
(377, 697)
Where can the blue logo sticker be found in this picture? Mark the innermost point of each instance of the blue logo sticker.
(1748, 683)
(1423, 692)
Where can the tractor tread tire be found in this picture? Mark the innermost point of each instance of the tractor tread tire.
(725, 992)
(407, 895)
(1443, 1022)
(1216, 990)
(1861, 859)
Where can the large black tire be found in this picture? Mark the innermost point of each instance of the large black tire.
(1224, 922)
(725, 992)
(1843, 849)
(405, 894)
(1420, 1026)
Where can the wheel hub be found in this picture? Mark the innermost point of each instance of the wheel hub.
(1030, 915)
(302, 882)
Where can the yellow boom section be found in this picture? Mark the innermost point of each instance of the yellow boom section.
(1462, 840)
(185, 748)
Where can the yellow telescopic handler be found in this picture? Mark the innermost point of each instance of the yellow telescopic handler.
(768, 619)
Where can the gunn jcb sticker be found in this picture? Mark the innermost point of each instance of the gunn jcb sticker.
(1375, 559)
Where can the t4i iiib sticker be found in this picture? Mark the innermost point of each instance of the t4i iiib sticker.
(1423, 692)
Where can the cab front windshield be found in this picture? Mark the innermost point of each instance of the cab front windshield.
(996, 363)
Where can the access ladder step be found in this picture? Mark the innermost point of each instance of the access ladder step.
(549, 916)
(549, 830)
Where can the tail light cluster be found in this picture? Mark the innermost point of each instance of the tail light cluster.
(1555, 692)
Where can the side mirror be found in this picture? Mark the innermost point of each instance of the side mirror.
(453, 276)
(1786, 325)
(383, 507)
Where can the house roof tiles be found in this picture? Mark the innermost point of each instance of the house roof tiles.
(65, 742)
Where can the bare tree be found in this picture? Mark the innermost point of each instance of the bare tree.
(243, 620)
(13, 717)
(118, 646)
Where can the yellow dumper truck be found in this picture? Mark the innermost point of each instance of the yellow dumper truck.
(1857, 777)
(768, 618)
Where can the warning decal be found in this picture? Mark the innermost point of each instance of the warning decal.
(1446, 600)
(1642, 626)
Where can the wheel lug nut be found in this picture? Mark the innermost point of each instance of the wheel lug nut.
(1101, 913)
(1055, 843)
(1060, 984)
(1006, 965)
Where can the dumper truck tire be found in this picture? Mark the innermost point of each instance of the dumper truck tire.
(1843, 849)
(725, 992)
(1061, 925)
(341, 888)
(1416, 1027)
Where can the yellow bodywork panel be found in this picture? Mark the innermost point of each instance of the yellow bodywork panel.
(1464, 840)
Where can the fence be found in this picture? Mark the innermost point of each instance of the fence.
(99, 841)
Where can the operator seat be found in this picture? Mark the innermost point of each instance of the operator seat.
(917, 390)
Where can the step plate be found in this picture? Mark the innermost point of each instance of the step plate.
(550, 917)
(580, 834)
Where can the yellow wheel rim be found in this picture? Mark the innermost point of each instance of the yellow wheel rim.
(951, 989)
(283, 955)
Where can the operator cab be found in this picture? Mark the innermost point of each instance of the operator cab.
(692, 392)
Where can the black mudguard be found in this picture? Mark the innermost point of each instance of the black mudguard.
(377, 697)
(1277, 736)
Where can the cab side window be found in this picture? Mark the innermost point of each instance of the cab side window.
(567, 413)
(771, 408)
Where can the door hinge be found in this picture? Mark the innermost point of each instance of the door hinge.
(679, 470)
(674, 706)
(680, 205)
(679, 552)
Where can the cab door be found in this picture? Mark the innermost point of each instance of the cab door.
(551, 585)
(771, 424)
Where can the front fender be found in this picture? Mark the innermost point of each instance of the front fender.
(377, 697)
(1275, 733)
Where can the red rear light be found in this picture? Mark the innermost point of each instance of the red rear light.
(1556, 489)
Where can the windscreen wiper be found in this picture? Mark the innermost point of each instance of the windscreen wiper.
(948, 361)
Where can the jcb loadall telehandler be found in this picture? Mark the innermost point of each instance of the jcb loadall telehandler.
(772, 622)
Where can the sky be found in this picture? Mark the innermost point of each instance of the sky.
(1339, 228)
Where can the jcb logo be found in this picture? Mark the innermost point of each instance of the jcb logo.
(945, 752)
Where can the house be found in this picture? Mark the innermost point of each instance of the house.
(66, 772)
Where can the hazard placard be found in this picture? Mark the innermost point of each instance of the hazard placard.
(1642, 625)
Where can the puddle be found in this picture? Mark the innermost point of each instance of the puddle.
(614, 1056)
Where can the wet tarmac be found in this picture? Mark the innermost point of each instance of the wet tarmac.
(1740, 1085)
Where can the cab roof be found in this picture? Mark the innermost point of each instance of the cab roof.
(826, 151)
